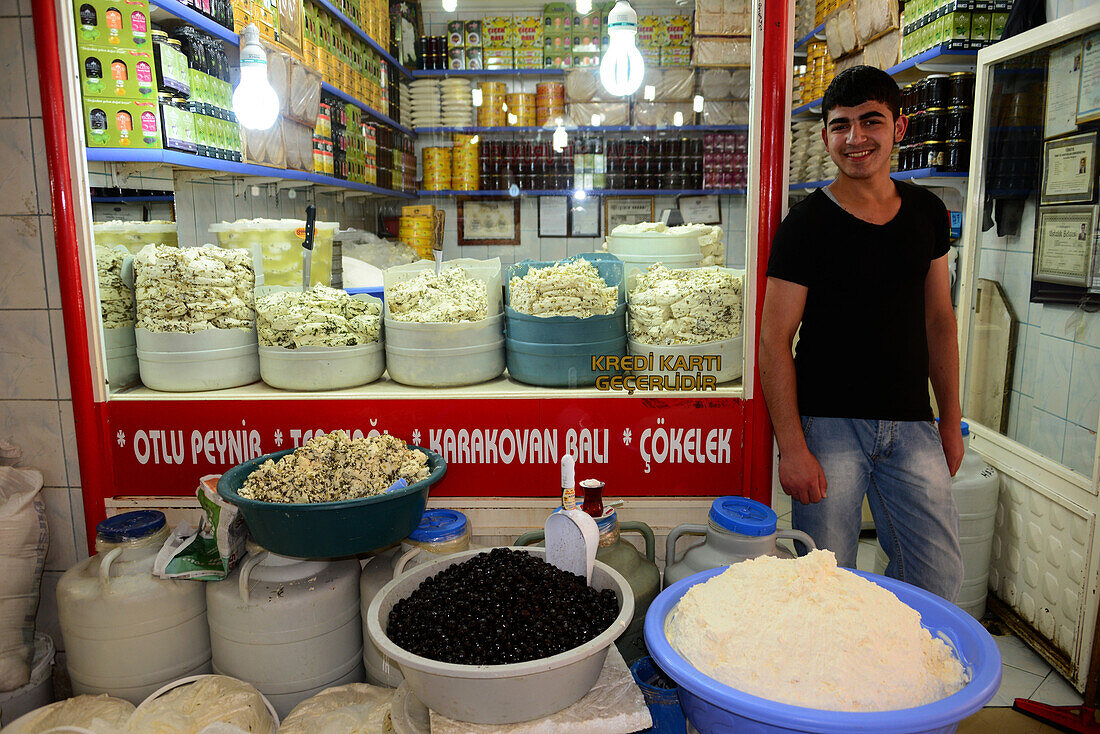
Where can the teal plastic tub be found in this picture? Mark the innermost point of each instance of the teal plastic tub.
(609, 267)
(560, 365)
(331, 529)
(564, 329)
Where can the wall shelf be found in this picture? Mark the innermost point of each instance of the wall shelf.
(325, 86)
(427, 73)
(195, 18)
(130, 199)
(815, 33)
(362, 34)
(176, 159)
(924, 176)
(585, 128)
(592, 193)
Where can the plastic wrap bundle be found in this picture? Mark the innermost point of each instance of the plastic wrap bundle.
(369, 248)
(278, 74)
(349, 709)
(721, 52)
(303, 93)
(840, 32)
(669, 85)
(583, 85)
(610, 113)
(24, 537)
(100, 714)
(265, 147)
(722, 18)
(663, 114)
(721, 84)
(193, 704)
(298, 140)
(724, 113)
(874, 18)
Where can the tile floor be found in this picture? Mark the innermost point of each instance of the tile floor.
(1024, 673)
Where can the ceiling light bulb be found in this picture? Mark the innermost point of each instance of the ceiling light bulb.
(697, 103)
(449, 6)
(597, 118)
(584, 6)
(678, 118)
(560, 138)
(254, 100)
(580, 195)
(649, 92)
(622, 68)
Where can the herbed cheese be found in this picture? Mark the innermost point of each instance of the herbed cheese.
(116, 299)
(320, 317)
(191, 289)
(684, 306)
(807, 633)
(333, 467)
(450, 297)
(572, 288)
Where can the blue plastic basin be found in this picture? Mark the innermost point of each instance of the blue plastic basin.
(559, 365)
(713, 707)
(524, 327)
(376, 291)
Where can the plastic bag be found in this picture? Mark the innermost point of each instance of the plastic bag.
(211, 552)
(208, 704)
(304, 93)
(663, 114)
(611, 113)
(100, 714)
(355, 708)
(24, 538)
(874, 17)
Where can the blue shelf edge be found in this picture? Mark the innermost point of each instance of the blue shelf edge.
(586, 128)
(129, 199)
(809, 37)
(916, 173)
(189, 160)
(928, 55)
(362, 34)
(369, 110)
(426, 73)
(806, 107)
(593, 193)
(197, 19)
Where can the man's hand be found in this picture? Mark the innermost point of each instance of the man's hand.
(952, 440)
(801, 477)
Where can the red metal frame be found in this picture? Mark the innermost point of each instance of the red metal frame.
(89, 416)
(774, 77)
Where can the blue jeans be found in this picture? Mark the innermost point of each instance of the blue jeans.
(900, 467)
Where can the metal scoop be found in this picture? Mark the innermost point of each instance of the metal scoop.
(571, 533)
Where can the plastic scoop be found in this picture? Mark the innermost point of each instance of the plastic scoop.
(571, 534)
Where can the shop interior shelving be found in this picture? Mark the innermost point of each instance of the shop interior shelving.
(591, 192)
(160, 9)
(800, 45)
(132, 199)
(428, 73)
(923, 176)
(587, 128)
(363, 35)
(176, 159)
(372, 112)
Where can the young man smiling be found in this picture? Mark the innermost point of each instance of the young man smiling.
(861, 266)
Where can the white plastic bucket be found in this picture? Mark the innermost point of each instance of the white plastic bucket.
(730, 350)
(416, 335)
(445, 367)
(322, 368)
(120, 348)
(212, 359)
(38, 691)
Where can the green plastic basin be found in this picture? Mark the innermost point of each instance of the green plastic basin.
(331, 529)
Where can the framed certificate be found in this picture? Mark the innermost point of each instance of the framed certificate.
(488, 221)
(1069, 170)
(1063, 80)
(1063, 251)
(1088, 86)
(627, 210)
(553, 216)
(584, 217)
(700, 209)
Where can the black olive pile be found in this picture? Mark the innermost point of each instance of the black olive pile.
(500, 607)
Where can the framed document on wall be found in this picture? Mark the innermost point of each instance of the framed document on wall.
(488, 221)
(627, 210)
(1064, 245)
(1069, 170)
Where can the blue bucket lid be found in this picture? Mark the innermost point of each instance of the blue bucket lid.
(130, 526)
(438, 526)
(743, 515)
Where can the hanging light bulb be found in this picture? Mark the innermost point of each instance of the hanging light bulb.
(597, 118)
(678, 118)
(560, 139)
(622, 68)
(697, 103)
(254, 100)
(580, 195)
(649, 92)
(584, 7)
(449, 6)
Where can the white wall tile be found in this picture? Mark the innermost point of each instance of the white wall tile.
(1058, 320)
(1051, 388)
(25, 7)
(9, 8)
(26, 355)
(1080, 449)
(46, 621)
(22, 278)
(35, 426)
(30, 66)
(1084, 386)
(991, 265)
(62, 553)
(68, 443)
(60, 355)
(1048, 433)
(1025, 421)
(1019, 357)
(1017, 283)
(1088, 330)
(17, 181)
(80, 532)
(13, 82)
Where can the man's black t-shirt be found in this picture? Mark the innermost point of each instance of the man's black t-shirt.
(862, 350)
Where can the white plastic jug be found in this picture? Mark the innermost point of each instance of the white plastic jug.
(289, 627)
(440, 533)
(126, 632)
(738, 528)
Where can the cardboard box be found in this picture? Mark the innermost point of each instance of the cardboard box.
(497, 33)
(650, 28)
(585, 60)
(117, 73)
(125, 123)
(499, 58)
(721, 52)
(456, 34)
(527, 32)
(678, 32)
(557, 61)
(585, 42)
(418, 210)
(673, 56)
(473, 34)
(556, 43)
(112, 23)
(557, 17)
(475, 59)
(528, 58)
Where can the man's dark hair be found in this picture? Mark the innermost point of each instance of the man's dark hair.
(858, 84)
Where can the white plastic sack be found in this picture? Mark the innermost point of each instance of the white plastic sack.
(100, 714)
(355, 708)
(24, 538)
(209, 704)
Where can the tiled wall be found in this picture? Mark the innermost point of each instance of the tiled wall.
(35, 406)
(1055, 399)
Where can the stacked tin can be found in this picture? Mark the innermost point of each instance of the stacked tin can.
(493, 101)
(415, 230)
(521, 109)
(549, 103)
(940, 110)
(820, 70)
(437, 168)
(464, 163)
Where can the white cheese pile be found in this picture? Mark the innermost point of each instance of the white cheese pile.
(319, 317)
(116, 299)
(684, 306)
(806, 633)
(563, 289)
(451, 297)
(190, 289)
